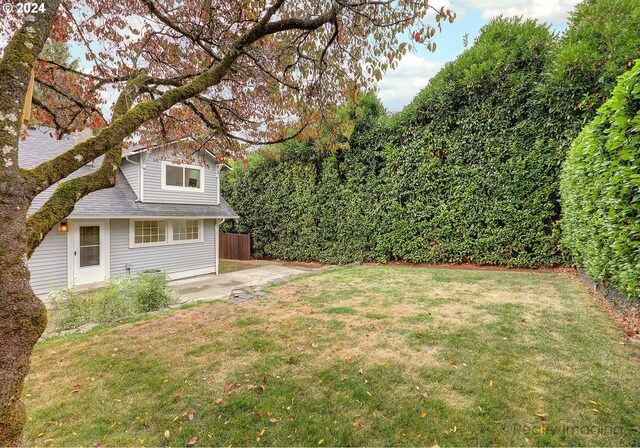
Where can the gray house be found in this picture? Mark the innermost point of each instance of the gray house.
(162, 214)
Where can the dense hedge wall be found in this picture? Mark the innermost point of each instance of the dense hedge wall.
(469, 171)
(483, 193)
(301, 203)
(600, 190)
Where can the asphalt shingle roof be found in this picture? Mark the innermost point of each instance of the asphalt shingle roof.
(120, 201)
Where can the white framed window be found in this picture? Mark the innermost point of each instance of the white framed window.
(159, 232)
(149, 232)
(184, 230)
(182, 177)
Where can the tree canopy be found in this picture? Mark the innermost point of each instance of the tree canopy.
(226, 72)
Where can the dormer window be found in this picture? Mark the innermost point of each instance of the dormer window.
(182, 177)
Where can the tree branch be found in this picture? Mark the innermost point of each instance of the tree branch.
(66, 195)
(60, 167)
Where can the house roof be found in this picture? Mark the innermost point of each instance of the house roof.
(120, 201)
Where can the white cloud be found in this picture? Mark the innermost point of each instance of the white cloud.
(398, 87)
(554, 11)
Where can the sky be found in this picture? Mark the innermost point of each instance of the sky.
(398, 87)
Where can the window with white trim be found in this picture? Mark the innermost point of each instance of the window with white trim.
(182, 177)
(150, 232)
(156, 232)
(185, 229)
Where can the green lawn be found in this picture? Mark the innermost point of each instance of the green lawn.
(356, 356)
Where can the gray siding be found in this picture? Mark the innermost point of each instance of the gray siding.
(171, 258)
(44, 196)
(132, 173)
(48, 264)
(153, 191)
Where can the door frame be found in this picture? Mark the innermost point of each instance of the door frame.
(105, 248)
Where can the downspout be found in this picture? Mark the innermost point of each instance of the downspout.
(217, 228)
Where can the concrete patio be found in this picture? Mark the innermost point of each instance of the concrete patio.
(211, 287)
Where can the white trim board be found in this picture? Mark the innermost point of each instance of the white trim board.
(94, 217)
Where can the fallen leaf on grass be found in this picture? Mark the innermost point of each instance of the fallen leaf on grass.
(273, 420)
(190, 415)
(192, 441)
(228, 387)
(167, 433)
(219, 400)
(361, 371)
(541, 415)
(74, 391)
(177, 395)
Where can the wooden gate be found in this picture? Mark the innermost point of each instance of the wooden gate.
(235, 246)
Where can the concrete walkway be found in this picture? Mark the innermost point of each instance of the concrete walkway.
(210, 287)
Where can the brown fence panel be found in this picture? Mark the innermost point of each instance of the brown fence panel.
(235, 246)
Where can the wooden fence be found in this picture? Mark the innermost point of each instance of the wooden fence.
(235, 246)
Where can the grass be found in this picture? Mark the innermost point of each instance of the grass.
(355, 356)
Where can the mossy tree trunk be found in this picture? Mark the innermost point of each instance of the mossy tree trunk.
(23, 316)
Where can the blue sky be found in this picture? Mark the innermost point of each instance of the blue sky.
(398, 87)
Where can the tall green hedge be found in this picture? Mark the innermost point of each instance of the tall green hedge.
(600, 190)
(302, 203)
(466, 182)
(469, 171)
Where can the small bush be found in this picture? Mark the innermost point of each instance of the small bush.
(150, 291)
(120, 298)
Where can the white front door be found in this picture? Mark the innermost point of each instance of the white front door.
(90, 251)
